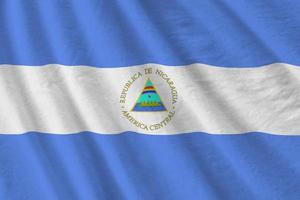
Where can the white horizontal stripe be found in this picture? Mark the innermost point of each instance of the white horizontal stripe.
(70, 99)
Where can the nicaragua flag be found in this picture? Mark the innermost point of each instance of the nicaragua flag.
(143, 100)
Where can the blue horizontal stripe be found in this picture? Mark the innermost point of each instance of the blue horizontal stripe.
(128, 32)
(134, 166)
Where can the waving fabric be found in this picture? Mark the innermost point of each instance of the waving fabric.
(130, 99)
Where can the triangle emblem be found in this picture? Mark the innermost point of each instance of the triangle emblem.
(149, 100)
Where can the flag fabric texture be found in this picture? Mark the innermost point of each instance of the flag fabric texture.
(130, 99)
